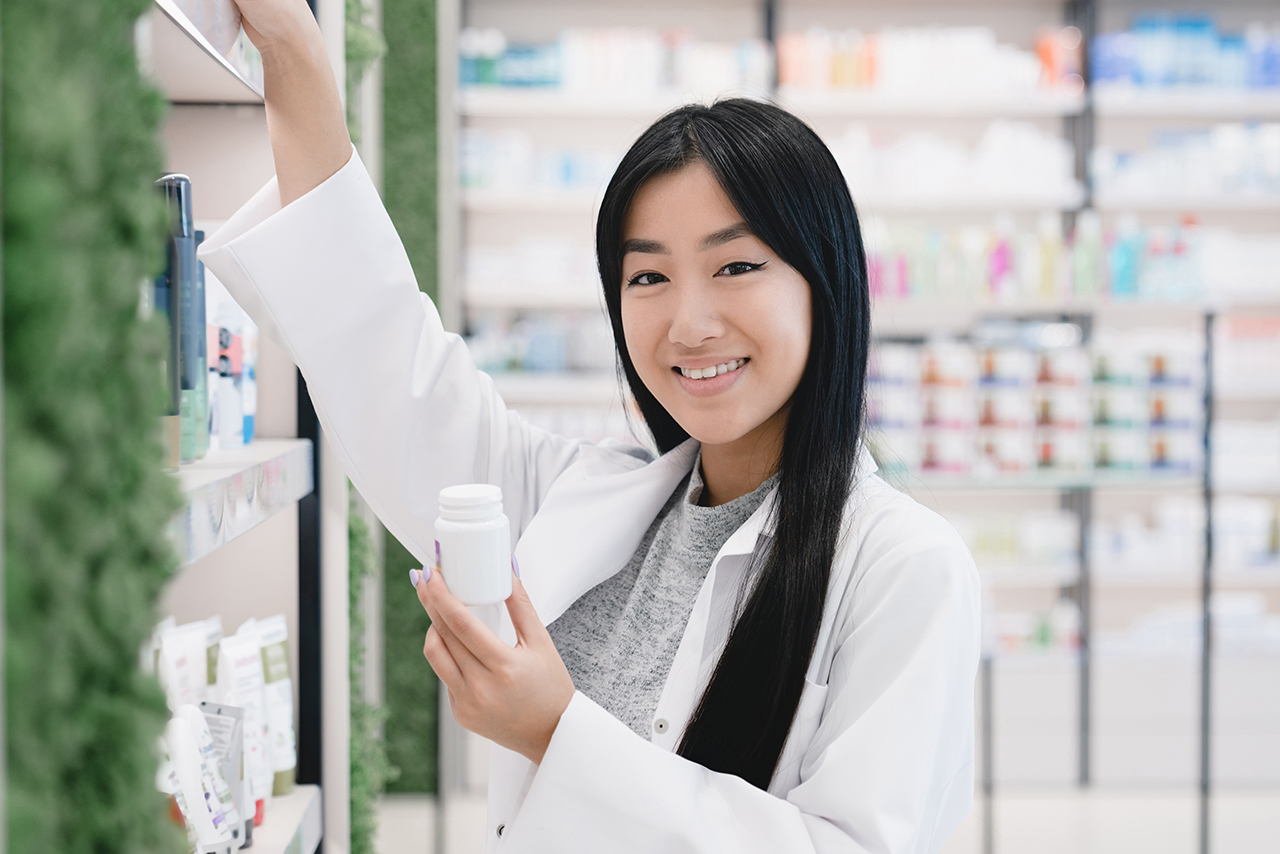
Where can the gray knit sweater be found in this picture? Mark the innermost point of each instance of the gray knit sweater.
(619, 639)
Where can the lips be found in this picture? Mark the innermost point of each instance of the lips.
(712, 370)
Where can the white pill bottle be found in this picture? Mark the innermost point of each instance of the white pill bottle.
(475, 543)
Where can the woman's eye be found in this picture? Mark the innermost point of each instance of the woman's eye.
(646, 279)
(737, 268)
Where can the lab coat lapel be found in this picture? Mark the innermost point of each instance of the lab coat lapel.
(592, 521)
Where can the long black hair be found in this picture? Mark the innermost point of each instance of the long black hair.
(786, 185)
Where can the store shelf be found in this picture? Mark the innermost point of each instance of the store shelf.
(186, 67)
(1044, 481)
(1262, 485)
(1238, 389)
(1181, 202)
(294, 824)
(501, 201)
(230, 492)
(977, 203)
(552, 103)
(921, 316)
(873, 104)
(1006, 577)
(578, 299)
(1186, 102)
(558, 389)
(1224, 579)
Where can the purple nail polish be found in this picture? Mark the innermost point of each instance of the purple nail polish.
(413, 577)
(426, 575)
(515, 566)
(437, 552)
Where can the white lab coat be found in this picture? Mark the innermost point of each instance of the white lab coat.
(880, 755)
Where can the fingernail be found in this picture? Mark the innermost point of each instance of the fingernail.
(515, 566)
(426, 575)
(437, 552)
(413, 577)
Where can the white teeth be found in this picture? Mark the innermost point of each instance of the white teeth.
(714, 371)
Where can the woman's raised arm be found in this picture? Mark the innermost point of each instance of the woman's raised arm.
(308, 131)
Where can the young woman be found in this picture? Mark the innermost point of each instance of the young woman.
(749, 643)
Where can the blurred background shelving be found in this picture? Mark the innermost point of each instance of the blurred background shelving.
(1006, 180)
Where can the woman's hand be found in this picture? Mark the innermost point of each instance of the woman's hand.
(513, 696)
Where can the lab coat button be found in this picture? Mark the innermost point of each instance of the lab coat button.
(501, 828)
(660, 726)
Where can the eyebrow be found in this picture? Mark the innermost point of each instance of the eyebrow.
(711, 241)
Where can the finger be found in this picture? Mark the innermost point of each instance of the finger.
(463, 657)
(528, 626)
(466, 627)
(442, 661)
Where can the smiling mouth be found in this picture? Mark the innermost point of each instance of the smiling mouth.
(713, 371)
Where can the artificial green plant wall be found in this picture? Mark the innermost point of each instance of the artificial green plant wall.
(410, 168)
(85, 500)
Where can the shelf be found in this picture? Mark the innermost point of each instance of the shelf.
(1180, 203)
(872, 104)
(1262, 485)
(558, 389)
(1044, 481)
(512, 102)
(1185, 102)
(526, 201)
(922, 316)
(578, 299)
(186, 67)
(1023, 578)
(1235, 389)
(231, 491)
(293, 825)
(1028, 202)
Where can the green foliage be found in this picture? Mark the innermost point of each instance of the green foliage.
(370, 769)
(85, 501)
(364, 45)
(409, 131)
(409, 161)
(412, 687)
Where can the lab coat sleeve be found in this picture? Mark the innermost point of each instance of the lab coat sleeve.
(889, 769)
(327, 278)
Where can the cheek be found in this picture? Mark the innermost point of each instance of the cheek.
(639, 327)
(788, 324)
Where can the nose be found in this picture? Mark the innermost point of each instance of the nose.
(695, 318)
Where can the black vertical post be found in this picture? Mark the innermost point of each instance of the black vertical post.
(1206, 591)
(1079, 500)
(988, 757)
(769, 10)
(309, 721)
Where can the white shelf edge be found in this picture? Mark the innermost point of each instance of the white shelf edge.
(1041, 483)
(1151, 202)
(233, 491)
(186, 66)
(1184, 102)
(552, 102)
(294, 823)
(532, 299)
(874, 104)
(1014, 578)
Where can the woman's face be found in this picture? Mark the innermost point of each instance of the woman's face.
(717, 325)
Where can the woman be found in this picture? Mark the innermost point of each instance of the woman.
(747, 643)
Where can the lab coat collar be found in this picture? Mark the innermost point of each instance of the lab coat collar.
(596, 515)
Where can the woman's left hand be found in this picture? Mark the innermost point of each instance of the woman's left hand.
(513, 696)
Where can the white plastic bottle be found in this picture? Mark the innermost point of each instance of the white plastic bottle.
(475, 543)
